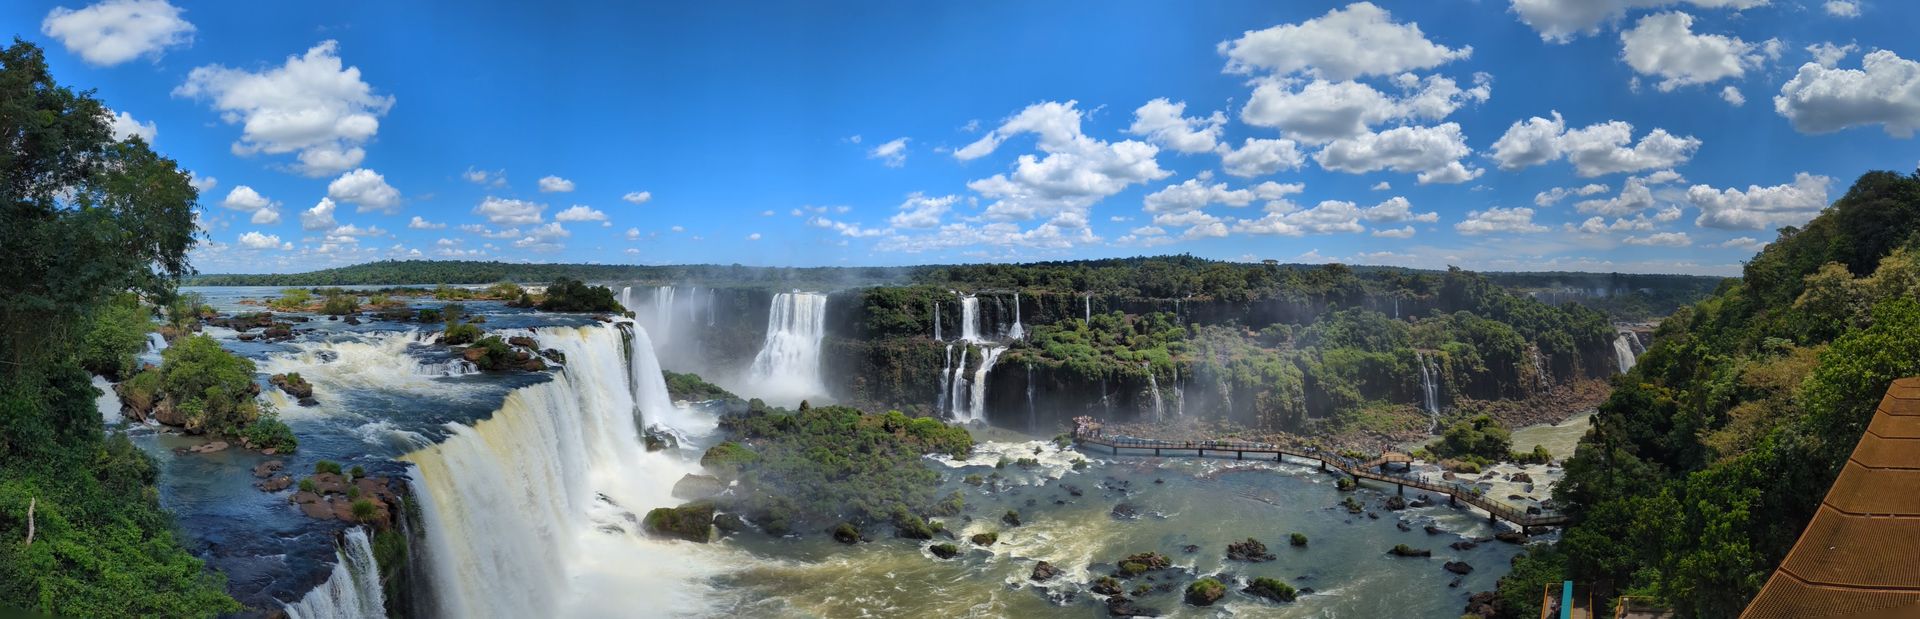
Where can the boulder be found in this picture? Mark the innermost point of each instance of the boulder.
(1511, 537)
(695, 487)
(1205, 592)
(353, 320)
(1433, 530)
(1125, 511)
(523, 341)
(944, 551)
(209, 447)
(1458, 567)
(1141, 563)
(1106, 585)
(657, 439)
(1463, 545)
(845, 533)
(1043, 572)
(1120, 606)
(274, 484)
(692, 522)
(985, 539)
(1521, 477)
(729, 523)
(1395, 503)
(1403, 550)
(267, 469)
(1250, 550)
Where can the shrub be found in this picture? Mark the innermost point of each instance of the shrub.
(268, 432)
(1205, 592)
(1345, 484)
(292, 300)
(1012, 518)
(306, 485)
(460, 333)
(353, 492)
(1539, 455)
(1298, 540)
(495, 353)
(985, 539)
(1479, 436)
(115, 333)
(340, 304)
(326, 466)
(363, 509)
(504, 290)
(213, 388)
(944, 550)
(572, 295)
(726, 459)
(909, 526)
(357, 472)
(1272, 589)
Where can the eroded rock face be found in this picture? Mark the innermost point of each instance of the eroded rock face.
(1043, 572)
(1250, 550)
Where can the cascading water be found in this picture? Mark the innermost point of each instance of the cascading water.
(977, 403)
(156, 342)
(1033, 417)
(956, 382)
(1623, 345)
(936, 322)
(108, 402)
(626, 297)
(662, 314)
(1089, 309)
(1154, 384)
(1018, 331)
(1429, 385)
(353, 591)
(1179, 394)
(711, 305)
(534, 512)
(788, 364)
(969, 318)
(946, 383)
(1540, 368)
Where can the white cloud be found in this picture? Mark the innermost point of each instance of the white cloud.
(1560, 21)
(483, 177)
(421, 224)
(633, 234)
(1827, 54)
(1635, 196)
(124, 126)
(1162, 122)
(312, 105)
(1732, 96)
(1318, 111)
(1356, 41)
(1842, 8)
(509, 212)
(1745, 242)
(1759, 208)
(555, 184)
(320, 217)
(256, 240)
(753, 237)
(1884, 91)
(848, 228)
(919, 211)
(115, 31)
(1663, 45)
(637, 197)
(202, 183)
(1594, 150)
(350, 230)
(1553, 196)
(366, 189)
(544, 238)
(1403, 232)
(1076, 172)
(580, 213)
(1495, 220)
(1660, 239)
(1396, 210)
(1382, 186)
(1260, 157)
(1433, 152)
(266, 216)
(244, 198)
(678, 229)
(893, 153)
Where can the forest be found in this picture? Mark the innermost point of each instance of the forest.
(1713, 453)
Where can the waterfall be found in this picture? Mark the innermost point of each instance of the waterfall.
(626, 298)
(1089, 309)
(1179, 394)
(353, 591)
(977, 404)
(1033, 418)
(663, 313)
(956, 382)
(650, 396)
(156, 342)
(108, 402)
(1018, 331)
(789, 362)
(1540, 368)
(1396, 308)
(946, 381)
(1429, 385)
(969, 318)
(1154, 383)
(711, 304)
(1623, 344)
(533, 512)
(936, 322)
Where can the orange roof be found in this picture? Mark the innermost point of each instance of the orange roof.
(1860, 556)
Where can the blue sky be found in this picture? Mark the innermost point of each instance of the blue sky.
(1612, 135)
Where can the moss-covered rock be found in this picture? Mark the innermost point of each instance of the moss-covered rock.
(846, 533)
(944, 550)
(1403, 550)
(1205, 592)
(692, 522)
(1297, 540)
(1137, 564)
(1106, 585)
(696, 487)
(726, 459)
(1250, 550)
(985, 539)
(1271, 589)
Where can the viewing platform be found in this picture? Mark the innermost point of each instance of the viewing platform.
(1377, 469)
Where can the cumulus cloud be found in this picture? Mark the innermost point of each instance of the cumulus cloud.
(1318, 111)
(115, 31)
(1660, 239)
(366, 189)
(555, 184)
(124, 126)
(266, 216)
(1884, 91)
(1664, 45)
(1594, 150)
(1559, 21)
(1164, 123)
(256, 240)
(1827, 54)
(1076, 171)
(893, 153)
(419, 223)
(1433, 152)
(1744, 243)
(1759, 208)
(244, 198)
(312, 105)
(202, 183)
(1359, 40)
(1732, 96)
(510, 212)
(1553, 196)
(1496, 220)
(544, 238)
(320, 217)
(580, 212)
(920, 211)
(1842, 8)
(637, 197)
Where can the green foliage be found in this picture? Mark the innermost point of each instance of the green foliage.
(692, 388)
(692, 522)
(307, 485)
(1205, 592)
(1272, 589)
(292, 300)
(268, 432)
(114, 334)
(496, 353)
(326, 466)
(833, 463)
(363, 509)
(1478, 437)
(357, 472)
(340, 304)
(570, 295)
(985, 539)
(212, 388)
(1297, 539)
(460, 333)
(504, 290)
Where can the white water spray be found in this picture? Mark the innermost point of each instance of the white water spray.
(663, 314)
(788, 364)
(1624, 342)
(936, 322)
(352, 591)
(977, 404)
(1018, 331)
(1429, 385)
(1154, 384)
(969, 318)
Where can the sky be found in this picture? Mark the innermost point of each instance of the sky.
(1657, 136)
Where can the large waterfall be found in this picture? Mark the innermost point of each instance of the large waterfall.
(788, 365)
(964, 395)
(1430, 387)
(663, 314)
(977, 403)
(534, 512)
(352, 591)
(969, 318)
(936, 322)
(1624, 345)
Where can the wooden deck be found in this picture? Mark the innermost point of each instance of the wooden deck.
(1376, 470)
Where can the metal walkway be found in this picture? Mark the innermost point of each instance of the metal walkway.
(1374, 470)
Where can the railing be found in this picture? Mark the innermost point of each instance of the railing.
(1358, 469)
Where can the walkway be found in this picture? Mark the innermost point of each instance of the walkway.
(1375, 470)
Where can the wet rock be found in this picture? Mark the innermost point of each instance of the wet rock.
(692, 522)
(1250, 550)
(1190, 548)
(1421, 501)
(1511, 537)
(267, 469)
(1106, 585)
(1403, 550)
(1141, 563)
(695, 487)
(1043, 572)
(275, 484)
(523, 342)
(1433, 530)
(1533, 510)
(1120, 606)
(1521, 477)
(277, 333)
(1205, 592)
(1071, 489)
(944, 551)
(207, 448)
(657, 439)
(353, 320)
(1011, 518)
(1458, 567)
(1395, 503)
(1455, 584)
(554, 355)
(1463, 545)
(984, 539)
(729, 524)
(1125, 511)
(1402, 525)
(294, 385)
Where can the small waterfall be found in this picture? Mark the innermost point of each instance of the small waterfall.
(789, 362)
(1396, 308)
(1623, 349)
(1089, 309)
(936, 322)
(942, 402)
(969, 318)
(156, 342)
(1154, 384)
(626, 297)
(108, 403)
(1033, 417)
(1429, 385)
(1540, 368)
(663, 314)
(977, 404)
(711, 305)
(353, 591)
(1018, 331)
(957, 382)
(1179, 394)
